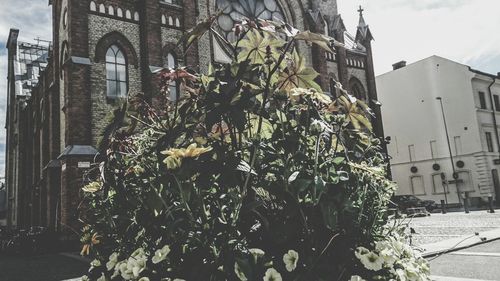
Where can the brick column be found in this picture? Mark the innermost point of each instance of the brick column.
(151, 47)
(372, 93)
(71, 184)
(342, 60)
(53, 182)
(190, 15)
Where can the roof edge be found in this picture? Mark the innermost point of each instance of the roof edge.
(12, 40)
(78, 150)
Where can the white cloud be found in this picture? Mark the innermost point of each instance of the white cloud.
(461, 30)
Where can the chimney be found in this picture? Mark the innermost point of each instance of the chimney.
(399, 65)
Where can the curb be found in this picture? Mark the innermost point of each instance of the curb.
(77, 257)
(460, 243)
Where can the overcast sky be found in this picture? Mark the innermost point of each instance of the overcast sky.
(465, 31)
(462, 30)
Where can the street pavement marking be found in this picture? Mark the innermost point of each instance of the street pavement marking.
(437, 235)
(484, 254)
(447, 278)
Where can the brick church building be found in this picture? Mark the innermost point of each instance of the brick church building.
(59, 93)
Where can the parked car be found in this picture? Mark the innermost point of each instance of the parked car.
(405, 202)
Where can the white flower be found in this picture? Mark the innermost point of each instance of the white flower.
(272, 275)
(138, 252)
(256, 253)
(95, 263)
(239, 273)
(138, 265)
(102, 278)
(125, 272)
(370, 260)
(400, 274)
(178, 279)
(144, 279)
(85, 278)
(116, 270)
(161, 254)
(290, 259)
(131, 268)
(113, 260)
(360, 251)
(356, 278)
(388, 256)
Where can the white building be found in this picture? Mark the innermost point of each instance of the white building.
(413, 118)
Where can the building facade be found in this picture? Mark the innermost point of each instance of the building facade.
(431, 160)
(104, 49)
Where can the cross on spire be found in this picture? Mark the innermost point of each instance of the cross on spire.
(360, 11)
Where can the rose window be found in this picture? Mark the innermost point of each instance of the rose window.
(234, 11)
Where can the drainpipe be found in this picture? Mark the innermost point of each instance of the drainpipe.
(494, 113)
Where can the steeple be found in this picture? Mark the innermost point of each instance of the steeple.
(363, 33)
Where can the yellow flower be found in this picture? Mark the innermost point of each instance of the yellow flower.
(190, 152)
(172, 162)
(92, 187)
(175, 155)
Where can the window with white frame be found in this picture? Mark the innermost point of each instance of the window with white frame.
(116, 73)
(417, 185)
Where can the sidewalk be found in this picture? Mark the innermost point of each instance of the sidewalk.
(440, 227)
(459, 243)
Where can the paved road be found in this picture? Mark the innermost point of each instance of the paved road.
(479, 263)
(53, 267)
(438, 227)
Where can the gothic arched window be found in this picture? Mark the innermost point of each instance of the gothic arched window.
(357, 89)
(116, 72)
(236, 10)
(171, 62)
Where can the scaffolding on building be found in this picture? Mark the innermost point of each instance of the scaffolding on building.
(32, 58)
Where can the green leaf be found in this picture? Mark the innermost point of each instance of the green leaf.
(330, 213)
(293, 176)
(154, 201)
(343, 175)
(319, 39)
(355, 113)
(267, 128)
(319, 184)
(245, 167)
(300, 185)
(338, 160)
(254, 46)
(298, 75)
(199, 30)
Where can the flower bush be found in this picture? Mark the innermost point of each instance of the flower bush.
(252, 173)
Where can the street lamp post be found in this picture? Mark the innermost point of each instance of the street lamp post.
(455, 175)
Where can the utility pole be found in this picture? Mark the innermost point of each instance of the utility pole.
(455, 175)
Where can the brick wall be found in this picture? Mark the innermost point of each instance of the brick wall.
(99, 27)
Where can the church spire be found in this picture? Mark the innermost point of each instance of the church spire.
(363, 33)
(361, 19)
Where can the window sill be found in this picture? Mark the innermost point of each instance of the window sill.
(174, 5)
